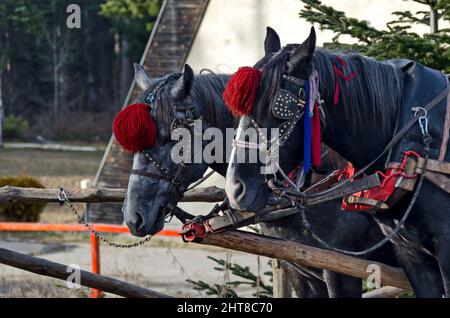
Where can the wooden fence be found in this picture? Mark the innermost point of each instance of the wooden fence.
(290, 251)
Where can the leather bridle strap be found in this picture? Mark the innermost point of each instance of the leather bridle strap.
(151, 175)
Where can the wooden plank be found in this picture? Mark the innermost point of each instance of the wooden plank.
(57, 147)
(166, 52)
(44, 267)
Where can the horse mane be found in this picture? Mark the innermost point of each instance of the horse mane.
(376, 90)
(206, 93)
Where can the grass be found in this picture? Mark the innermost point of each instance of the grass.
(49, 165)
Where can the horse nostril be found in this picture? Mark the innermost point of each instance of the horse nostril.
(239, 189)
(139, 221)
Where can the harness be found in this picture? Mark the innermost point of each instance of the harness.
(410, 168)
(289, 106)
(372, 193)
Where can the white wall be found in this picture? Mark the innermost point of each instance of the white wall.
(232, 32)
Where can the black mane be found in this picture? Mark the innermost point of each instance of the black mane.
(207, 89)
(376, 89)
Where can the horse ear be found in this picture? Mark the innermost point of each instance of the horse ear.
(300, 60)
(141, 77)
(272, 42)
(182, 87)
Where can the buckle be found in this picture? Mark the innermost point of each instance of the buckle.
(193, 232)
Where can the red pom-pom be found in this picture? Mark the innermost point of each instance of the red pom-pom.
(241, 90)
(134, 128)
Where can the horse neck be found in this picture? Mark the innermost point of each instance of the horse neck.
(356, 128)
(354, 147)
(211, 105)
(359, 145)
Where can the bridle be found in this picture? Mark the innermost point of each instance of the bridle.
(288, 105)
(192, 114)
(165, 173)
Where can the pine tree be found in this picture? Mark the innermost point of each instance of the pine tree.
(243, 272)
(397, 41)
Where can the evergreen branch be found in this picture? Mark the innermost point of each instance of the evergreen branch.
(398, 41)
(331, 19)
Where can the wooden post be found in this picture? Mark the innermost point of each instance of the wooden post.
(236, 240)
(281, 284)
(95, 256)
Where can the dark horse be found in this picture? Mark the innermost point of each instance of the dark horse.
(358, 124)
(147, 197)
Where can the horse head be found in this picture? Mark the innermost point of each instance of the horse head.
(161, 172)
(279, 105)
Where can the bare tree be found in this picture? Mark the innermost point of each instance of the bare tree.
(58, 43)
(2, 113)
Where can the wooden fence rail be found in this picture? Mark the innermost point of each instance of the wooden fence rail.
(10, 194)
(306, 255)
(48, 268)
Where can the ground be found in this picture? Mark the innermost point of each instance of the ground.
(163, 264)
(162, 268)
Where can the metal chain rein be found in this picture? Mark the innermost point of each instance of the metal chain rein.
(62, 197)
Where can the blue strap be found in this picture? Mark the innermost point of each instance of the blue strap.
(307, 133)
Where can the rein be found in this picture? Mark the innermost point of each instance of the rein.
(399, 226)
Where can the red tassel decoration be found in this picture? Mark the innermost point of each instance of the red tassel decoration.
(240, 93)
(134, 128)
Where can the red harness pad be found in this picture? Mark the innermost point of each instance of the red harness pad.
(389, 184)
(381, 193)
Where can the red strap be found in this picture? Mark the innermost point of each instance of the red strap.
(338, 73)
(316, 138)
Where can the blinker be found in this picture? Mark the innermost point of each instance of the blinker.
(285, 105)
